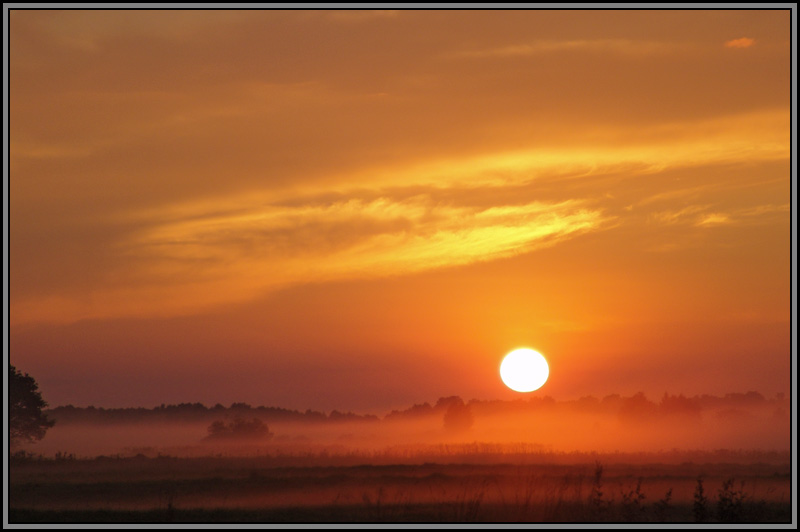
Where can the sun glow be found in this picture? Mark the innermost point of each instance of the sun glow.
(524, 370)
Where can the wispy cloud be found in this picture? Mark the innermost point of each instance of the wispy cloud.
(748, 137)
(703, 216)
(601, 46)
(744, 42)
(685, 215)
(357, 238)
(391, 220)
(713, 219)
(761, 210)
(198, 261)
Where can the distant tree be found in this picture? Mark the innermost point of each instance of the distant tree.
(416, 411)
(216, 428)
(26, 421)
(678, 405)
(458, 417)
(445, 402)
(637, 408)
(239, 428)
(313, 415)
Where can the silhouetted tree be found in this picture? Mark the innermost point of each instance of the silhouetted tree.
(26, 421)
(416, 411)
(637, 408)
(445, 402)
(458, 417)
(678, 405)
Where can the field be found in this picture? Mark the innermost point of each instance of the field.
(552, 462)
(437, 483)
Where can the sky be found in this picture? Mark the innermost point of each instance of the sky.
(363, 210)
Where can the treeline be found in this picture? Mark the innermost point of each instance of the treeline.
(637, 407)
(190, 412)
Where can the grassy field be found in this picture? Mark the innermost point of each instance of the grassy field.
(452, 488)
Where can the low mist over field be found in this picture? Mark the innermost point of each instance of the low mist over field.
(615, 459)
(737, 421)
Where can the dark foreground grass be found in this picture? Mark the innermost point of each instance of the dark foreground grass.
(391, 513)
(250, 491)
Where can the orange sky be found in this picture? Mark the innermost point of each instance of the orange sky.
(367, 209)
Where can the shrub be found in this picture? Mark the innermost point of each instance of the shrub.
(700, 505)
(597, 505)
(632, 503)
(730, 504)
(663, 506)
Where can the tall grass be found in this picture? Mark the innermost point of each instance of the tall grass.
(534, 498)
(183, 490)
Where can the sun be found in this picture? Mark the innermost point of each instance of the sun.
(524, 370)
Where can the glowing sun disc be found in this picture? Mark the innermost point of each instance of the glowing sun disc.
(524, 370)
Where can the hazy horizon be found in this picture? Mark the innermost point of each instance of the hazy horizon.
(736, 422)
(377, 411)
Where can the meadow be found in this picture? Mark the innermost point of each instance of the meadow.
(618, 460)
(437, 484)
